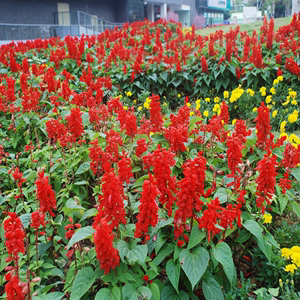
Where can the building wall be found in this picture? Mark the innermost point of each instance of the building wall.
(191, 3)
(27, 12)
(42, 11)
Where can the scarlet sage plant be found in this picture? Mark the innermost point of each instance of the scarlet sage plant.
(150, 162)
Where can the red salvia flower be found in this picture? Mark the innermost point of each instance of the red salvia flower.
(155, 113)
(263, 126)
(125, 169)
(162, 160)
(37, 220)
(290, 156)
(191, 188)
(148, 215)
(103, 239)
(285, 183)
(210, 217)
(14, 235)
(141, 147)
(18, 177)
(111, 200)
(204, 64)
(266, 179)
(12, 288)
(75, 126)
(45, 194)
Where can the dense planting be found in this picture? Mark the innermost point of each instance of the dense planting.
(141, 164)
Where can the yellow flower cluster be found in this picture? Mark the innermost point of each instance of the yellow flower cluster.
(147, 103)
(292, 254)
(293, 117)
(263, 91)
(267, 218)
(236, 94)
(226, 94)
(198, 104)
(250, 92)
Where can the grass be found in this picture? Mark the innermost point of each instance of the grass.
(245, 27)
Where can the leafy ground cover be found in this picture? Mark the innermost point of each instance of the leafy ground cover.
(131, 169)
(245, 27)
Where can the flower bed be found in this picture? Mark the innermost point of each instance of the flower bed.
(107, 192)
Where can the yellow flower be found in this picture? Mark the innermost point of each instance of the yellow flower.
(198, 101)
(275, 81)
(178, 95)
(280, 78)
(206, 113)
(146, 105)
(267, 218)
(293, 117)
(129, 94)
(290, 268)
(272, 91)
(148, 100)
(233, 121)
(274, 113)
(120, 96)
(294, 139)
(268, 99)
(125, 107)
(134, 101)
(263, 91)
(191, 113)
(293, 94)
(207, 99)
(282, 126)
(165, 104)
(188, 104)
(151, 133)
(216, 107)
(198, 106)
(140, 108)
(285, 252)
(216, 99)
(254, 109)
(294, 102)
(250, 92)
(226, 94)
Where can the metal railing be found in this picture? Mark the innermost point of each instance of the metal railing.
(45, 31)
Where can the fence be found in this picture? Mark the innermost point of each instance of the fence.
(34, 31)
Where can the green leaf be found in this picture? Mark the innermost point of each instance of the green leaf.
(173, 273)
(164, 76)
(89, 213)
(54, 296)
(130, 292)
(153, 77)
(211, 289)
(25, 219)
(83, 182)
(83, 168)
(296, 208)
(223, 255)
(256, 230)
(81, 234)
(140, 181)
(133, 252)
(196, 237)
(82, 283)
(193, 121)
(223, 195)
(155, 291)
(194, 264)
(107, 294)
(296, 173)
(169, 293)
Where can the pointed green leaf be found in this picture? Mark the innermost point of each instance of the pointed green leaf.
(196, 237)
(169, 293)
(81, 234)
(194, 264)
(173, 273)
(223, 255)
(212, 289)
(107, 294)
(82, 283)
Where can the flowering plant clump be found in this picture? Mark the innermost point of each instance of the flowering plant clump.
(131, 169)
